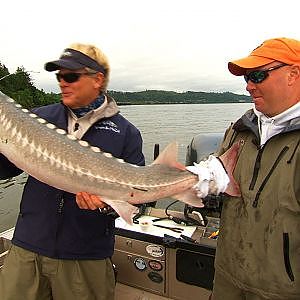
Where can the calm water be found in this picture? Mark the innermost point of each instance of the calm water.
(163, 124)
(159, 124)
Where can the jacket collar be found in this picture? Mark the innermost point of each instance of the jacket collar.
(249, 121)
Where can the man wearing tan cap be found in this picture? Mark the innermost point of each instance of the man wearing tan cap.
(258, 254)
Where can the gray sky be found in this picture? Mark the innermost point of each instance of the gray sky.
(158, 44)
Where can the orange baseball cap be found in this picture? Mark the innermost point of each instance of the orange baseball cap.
(283, 49)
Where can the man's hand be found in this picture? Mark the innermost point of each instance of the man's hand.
(212, 177)
(88, 201)
(216, 174)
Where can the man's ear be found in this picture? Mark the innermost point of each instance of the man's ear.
(294, 74)
(100, 79)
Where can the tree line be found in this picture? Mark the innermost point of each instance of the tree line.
(170, 97)
(20, 87)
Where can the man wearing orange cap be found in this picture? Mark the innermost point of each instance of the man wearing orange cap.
(258, 254)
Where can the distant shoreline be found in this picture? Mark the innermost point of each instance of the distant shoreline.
(150, 97)
(19, 86)
(166, 103)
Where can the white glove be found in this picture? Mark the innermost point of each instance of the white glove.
(213, 178)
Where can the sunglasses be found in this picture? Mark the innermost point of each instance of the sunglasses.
(259, 76)
(70, 77)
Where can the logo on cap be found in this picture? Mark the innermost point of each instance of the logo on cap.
(66, 53)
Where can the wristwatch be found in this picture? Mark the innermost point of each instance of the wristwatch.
(109, 211)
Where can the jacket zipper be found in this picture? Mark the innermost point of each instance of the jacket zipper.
(287, 263)
(290, 159)
(60, 215)
(256, 169)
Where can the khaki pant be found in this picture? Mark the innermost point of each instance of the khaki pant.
(225, 290)
(29, 276)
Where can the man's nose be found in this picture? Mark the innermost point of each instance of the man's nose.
(250, 86)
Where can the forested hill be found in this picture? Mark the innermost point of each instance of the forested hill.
(169, 97)
(21, 88)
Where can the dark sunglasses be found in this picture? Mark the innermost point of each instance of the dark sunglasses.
(259, 76)
(70, 77)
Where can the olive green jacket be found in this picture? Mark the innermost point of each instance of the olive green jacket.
(259, 243)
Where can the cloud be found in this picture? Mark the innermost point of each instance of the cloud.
(170, 44)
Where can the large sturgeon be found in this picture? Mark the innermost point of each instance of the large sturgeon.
(57, 158)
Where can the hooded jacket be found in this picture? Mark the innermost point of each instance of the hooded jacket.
(259, 243)
(50, 222)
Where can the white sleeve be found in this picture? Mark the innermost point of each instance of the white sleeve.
(213, 178)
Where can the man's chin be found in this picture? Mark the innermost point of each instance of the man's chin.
(258, 103)
(258, 107)
(67, 99)
(262, 109)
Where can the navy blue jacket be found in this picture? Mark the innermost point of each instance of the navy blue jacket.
(50, 222)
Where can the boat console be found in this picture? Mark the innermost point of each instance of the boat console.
(171, 254)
